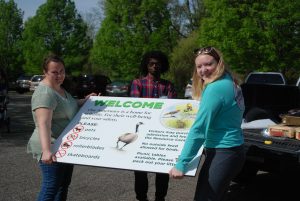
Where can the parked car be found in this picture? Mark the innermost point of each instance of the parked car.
(23, 83)
(188, 89)
(35, 81)
(70, 85)
(86, 84)
(118, 88)
(265, 78)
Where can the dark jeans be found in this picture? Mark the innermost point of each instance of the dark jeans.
(221, 165)
(56, 181)
(141, 185)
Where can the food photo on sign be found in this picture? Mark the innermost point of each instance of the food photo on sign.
(128, 133)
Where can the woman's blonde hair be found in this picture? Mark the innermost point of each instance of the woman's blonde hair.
(199, 84)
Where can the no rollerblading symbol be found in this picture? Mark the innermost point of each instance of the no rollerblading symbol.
(66, 145)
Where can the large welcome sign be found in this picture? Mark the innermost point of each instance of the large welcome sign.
(128, 133)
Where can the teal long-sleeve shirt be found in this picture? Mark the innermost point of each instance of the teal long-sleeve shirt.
(218, 121)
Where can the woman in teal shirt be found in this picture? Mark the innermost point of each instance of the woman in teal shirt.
(217, 127)
(52, 110)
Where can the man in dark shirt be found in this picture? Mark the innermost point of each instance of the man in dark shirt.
(150, 85)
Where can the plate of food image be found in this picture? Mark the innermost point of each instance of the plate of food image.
(179, 116)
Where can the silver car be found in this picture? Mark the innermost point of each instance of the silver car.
(23, 83)
(35, 81)
(118, 88)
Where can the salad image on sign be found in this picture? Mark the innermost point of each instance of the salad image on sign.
(179, 116)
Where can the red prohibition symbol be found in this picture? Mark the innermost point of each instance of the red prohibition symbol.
(66, 145)
(72, 136)
(60, 153)
(78, 129)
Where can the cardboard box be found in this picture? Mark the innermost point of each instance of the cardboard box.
(291, 120)
(281, 130)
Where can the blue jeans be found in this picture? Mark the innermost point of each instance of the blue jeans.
(56, 181)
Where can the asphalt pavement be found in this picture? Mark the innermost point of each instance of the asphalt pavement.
(20, 175)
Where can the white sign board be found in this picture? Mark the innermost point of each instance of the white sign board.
(143, 134)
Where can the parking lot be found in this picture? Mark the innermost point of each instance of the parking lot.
(20, 175)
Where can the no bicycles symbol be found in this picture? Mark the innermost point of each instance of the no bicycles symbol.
(69, 141)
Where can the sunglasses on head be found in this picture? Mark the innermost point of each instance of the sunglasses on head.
(203, 50)
(207, 50)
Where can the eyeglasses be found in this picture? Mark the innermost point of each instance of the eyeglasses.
(158, 64)
(207, 50)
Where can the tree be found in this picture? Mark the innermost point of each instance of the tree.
(186, 18)
(254, 35)
(182, 61)
(93, 18)
(129, 29)
(186, 15)
(56, 28)
(11, 27)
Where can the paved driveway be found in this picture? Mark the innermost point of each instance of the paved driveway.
(20, 175)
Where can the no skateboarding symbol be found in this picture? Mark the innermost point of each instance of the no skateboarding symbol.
(68, 142)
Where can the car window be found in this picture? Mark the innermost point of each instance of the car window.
(37, 78)
(102, 79)
(119, 83)
(24, 77)
(265, 79)
(86, 79)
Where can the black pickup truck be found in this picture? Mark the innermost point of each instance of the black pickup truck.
(267, 153)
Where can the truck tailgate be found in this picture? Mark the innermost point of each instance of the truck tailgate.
(254, 137)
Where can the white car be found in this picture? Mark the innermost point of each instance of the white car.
(35, 81)
(188, 90)
(23, 83)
